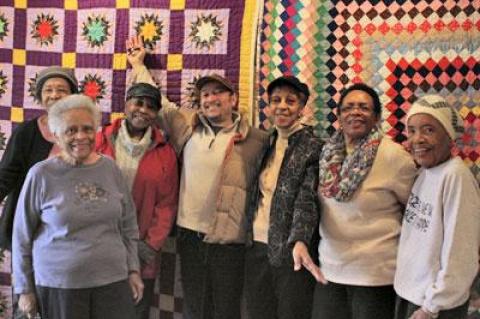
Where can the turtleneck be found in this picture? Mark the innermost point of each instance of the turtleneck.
(285, 133)
(268, 182)
(128, 151)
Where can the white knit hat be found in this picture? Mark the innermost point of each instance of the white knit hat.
(437, 107)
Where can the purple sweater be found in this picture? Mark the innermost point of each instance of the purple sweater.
(75, 227)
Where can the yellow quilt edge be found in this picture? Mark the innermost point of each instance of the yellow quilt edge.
(246, 79)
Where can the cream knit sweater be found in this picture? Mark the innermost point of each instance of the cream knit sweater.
(359, 238)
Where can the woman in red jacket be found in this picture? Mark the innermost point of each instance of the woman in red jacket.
(149, 165)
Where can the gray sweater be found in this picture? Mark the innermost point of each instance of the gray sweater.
(75, 227)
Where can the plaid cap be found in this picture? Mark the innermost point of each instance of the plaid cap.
(214, 78)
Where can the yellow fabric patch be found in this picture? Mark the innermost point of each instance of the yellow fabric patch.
(20, 4)
(19, 57)
(174, 62)
(123, 4)
(71, 5)
(16, 114)
(177, 5)
(116, 115)
(119, 61)
(69, 60)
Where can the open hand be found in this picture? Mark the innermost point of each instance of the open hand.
(301, 257)
(135, 51)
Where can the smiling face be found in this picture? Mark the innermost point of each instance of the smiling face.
(286, 106)
(53, 90)
(140, 112)
(77, 137)
(217, 103)
(357, 116)
(429, 142)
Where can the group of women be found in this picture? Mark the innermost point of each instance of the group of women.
(87, 226)
(336, 229)
(386, 250)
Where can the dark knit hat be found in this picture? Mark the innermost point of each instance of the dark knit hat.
(55, 72)
(291, 81)
(145, 90)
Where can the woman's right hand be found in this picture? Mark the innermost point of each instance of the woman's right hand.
(27, 303)
(301, 258)
(135, 51)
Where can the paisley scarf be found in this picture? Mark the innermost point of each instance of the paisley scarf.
(340, 174)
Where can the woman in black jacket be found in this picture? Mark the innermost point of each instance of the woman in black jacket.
(30, 143)
(284, 214)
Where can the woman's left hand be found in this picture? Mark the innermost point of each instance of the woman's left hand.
(27, 303)
(420, 314)
(136, 284)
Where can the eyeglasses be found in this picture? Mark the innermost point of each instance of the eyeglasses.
(362, 107)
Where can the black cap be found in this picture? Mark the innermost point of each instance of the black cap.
(145, 90)
(289, 81)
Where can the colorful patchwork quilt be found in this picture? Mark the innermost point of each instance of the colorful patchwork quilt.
(404, 49)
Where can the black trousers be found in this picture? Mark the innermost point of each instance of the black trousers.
(337, 301)
(404, 309)
(110, 301)
(276, 292)
(212, 277)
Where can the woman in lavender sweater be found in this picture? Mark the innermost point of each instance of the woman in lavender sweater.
(75, 230)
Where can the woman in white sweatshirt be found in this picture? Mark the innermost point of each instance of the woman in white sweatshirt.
(438, 252)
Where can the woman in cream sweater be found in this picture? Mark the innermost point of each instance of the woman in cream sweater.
(365, 179)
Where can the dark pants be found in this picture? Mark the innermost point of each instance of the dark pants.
(142, 309)
(212, 277)
(110, 301)
(404, 309)
(276, 292)
(337, 301)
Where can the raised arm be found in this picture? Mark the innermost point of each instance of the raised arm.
(136, 53)
(176, 123)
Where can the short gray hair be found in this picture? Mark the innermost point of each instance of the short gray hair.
(75, 101)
